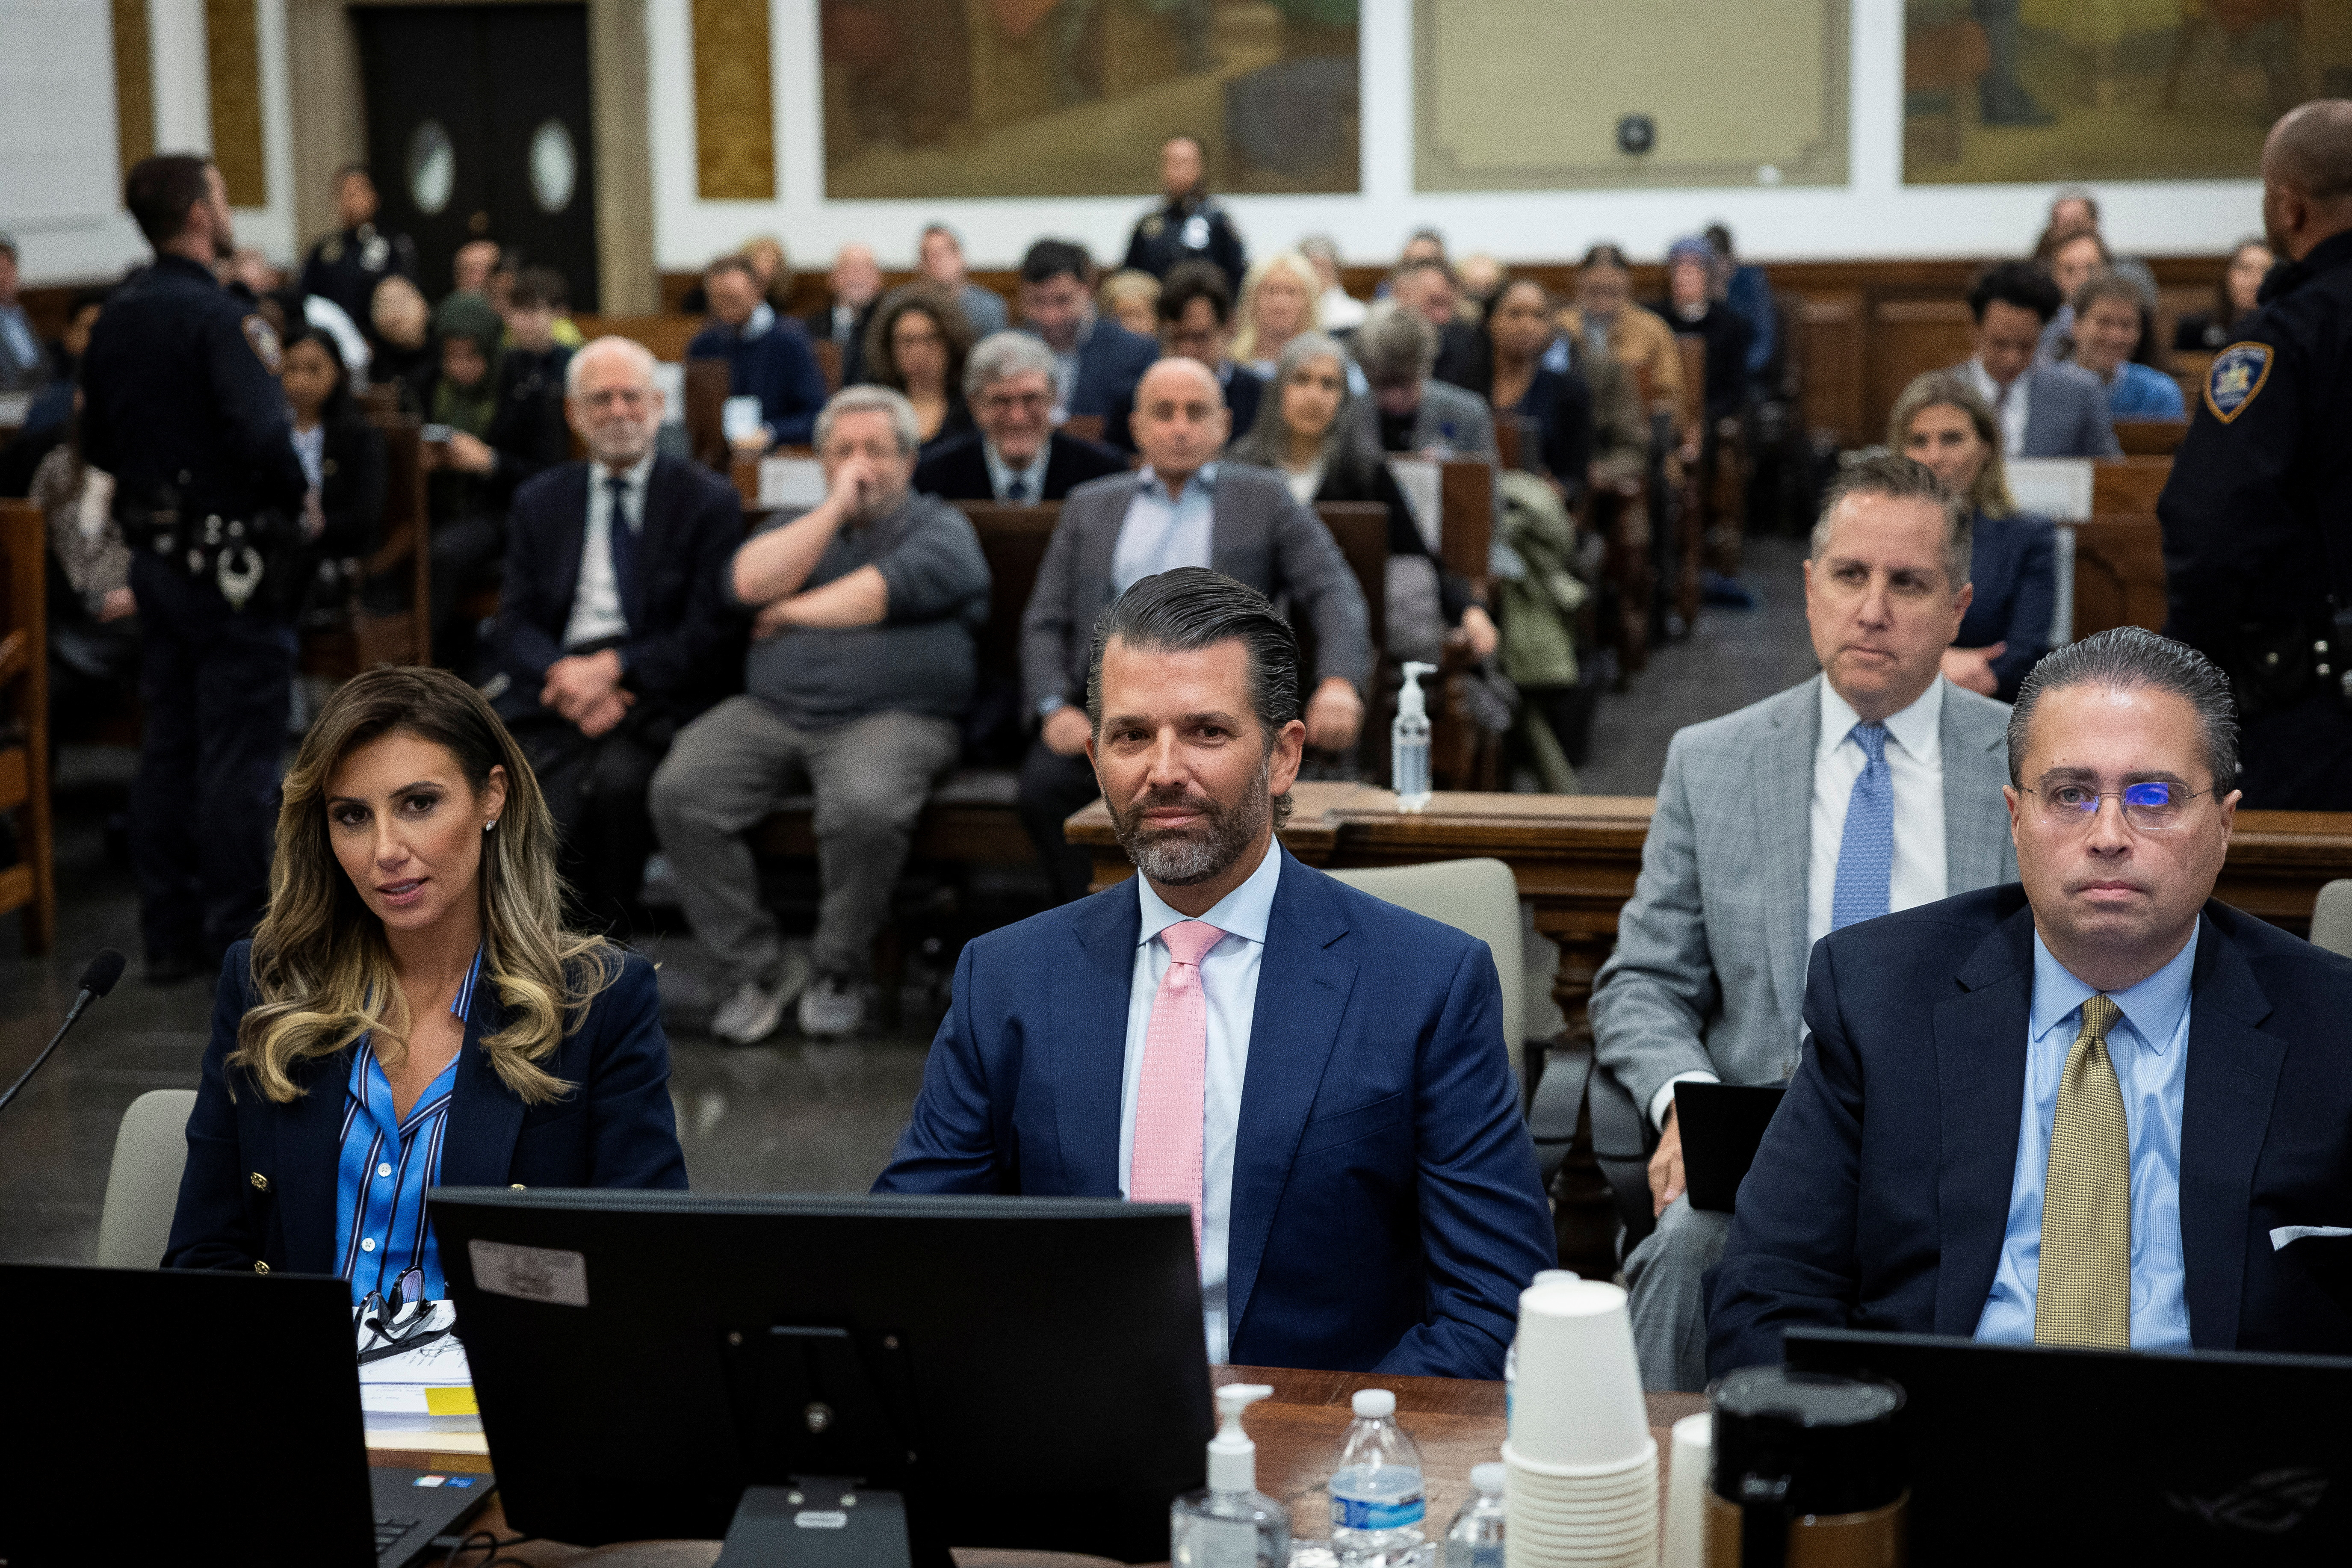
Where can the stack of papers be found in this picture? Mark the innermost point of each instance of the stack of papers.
(429, 1388)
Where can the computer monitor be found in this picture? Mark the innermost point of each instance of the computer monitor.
(2022, 1452)
(1024, 1372)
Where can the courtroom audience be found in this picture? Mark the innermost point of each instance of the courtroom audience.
(863, 613)
(51, 410)
(2072, 209)
(1941, 421)
(1872, 786)
(494, 435)
(1694, 309)
(1748, 294)
(1475, 277)
(1607, 323)
(1099, 360)
(532, 358)
(349, 265)
(413, 1011)
(770, 267)
(1016, 454)
(2234, 298)
(1372, 1202)
(2145, 1149)
(1408, 410)
(1183, 507)
(1132, 300)
(2046, 410)
(342, 453)
(938, 256)
(1195, 319)
(24, 361)
(403, 339)
(1336, 309)
(474, 268)
(1513, 335)
(917, 345)
(852, 289)
(1308, 431)
(612, 634)
(1428, 290)
(2073, 260)
(2110, 321)
(768, 356)
(1189, 224)
(1280, 300)
(93, 625)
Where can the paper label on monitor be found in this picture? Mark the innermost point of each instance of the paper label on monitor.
(530, 1273)
(1224, 1543)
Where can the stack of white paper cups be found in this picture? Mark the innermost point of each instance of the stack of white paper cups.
(1583, 1485)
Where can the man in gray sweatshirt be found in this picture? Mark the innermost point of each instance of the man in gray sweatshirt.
(861, 666)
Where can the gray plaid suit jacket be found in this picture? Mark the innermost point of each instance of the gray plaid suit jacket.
(1709, 971)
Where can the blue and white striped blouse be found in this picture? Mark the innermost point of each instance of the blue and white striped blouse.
(386, 1166)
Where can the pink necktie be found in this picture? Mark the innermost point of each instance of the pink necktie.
(1165, 1165)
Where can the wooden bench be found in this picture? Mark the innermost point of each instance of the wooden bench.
(2128, 485)
(401, 568)
(2118, 573)
(2151, 438)
(30, 885)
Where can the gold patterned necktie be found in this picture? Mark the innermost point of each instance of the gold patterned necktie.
(2083, 1297)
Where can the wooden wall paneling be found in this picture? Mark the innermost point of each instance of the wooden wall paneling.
(135, 84)
(2128, 485)
(734, 118)
(233, 73)
(1908, 337)
(2118, 573)
(1834, 335)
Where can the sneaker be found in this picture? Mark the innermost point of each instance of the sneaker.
(832, 1006)
(752, 1013)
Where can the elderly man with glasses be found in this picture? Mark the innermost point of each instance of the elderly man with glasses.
(2095, 1108)
(1016, 456)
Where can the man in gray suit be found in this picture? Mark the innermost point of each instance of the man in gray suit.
(1181, 508)
(2045, 410)
(1408, 410)
(1875, 787)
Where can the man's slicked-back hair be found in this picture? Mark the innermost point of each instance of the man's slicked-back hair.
(1899, 478)
(1191, 608)
(2133, 659)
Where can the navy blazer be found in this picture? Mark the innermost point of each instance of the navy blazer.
(1880, 1197)
(684, 647)
(1386, 1211)
(958, 469)
(2014, 564)
(1110, 364)
(259, 1188)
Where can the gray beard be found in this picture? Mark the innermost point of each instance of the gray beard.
(1184, 858)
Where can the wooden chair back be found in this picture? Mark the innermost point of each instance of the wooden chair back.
(1693, 349)
(1467, 504)
(2151, 438)
(1361, 529)
(2129, 484)
(828, 361)
(2118, 573)
(1014, 538)
(1085, 427)
(1519, 441)
(30, 885)
(402, 636)
(706, 385)
(381, 398)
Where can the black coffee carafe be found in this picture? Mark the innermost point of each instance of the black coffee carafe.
(1808, 1472)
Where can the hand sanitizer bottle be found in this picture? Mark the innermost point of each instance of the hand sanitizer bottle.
(1408, 742)
(1231, 1524)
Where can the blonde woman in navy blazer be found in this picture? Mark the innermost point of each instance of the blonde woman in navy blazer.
(411, 1013)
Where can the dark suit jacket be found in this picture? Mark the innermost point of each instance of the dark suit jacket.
(958, 469)
(1257, 534)
(1109, 364)
(614, 1128)
(1386, 1212)
(1880, 1197)
(684, 650)
(2014, 566)
(351, 488)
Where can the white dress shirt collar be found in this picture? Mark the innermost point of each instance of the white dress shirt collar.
(2012, 408)
(635, 476)
(1000, 473)
(1244, 912)
(762, 321)
(1918, 728)
(1150, 483)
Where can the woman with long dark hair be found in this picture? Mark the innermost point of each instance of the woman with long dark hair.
(917, 345)
(410, 1012)
(341, 451)
(2234, 297)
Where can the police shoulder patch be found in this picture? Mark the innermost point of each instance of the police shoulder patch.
(263, 339)
(2236, 376)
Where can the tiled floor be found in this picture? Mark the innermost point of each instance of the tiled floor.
(787, 1116)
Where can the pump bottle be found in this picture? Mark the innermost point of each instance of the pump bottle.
(1231, 1524)
(1408, 742)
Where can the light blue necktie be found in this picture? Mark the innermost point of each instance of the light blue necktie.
(1865, 866)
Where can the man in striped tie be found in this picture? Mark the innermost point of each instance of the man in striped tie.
(1318, 1075)
(2096, 1109)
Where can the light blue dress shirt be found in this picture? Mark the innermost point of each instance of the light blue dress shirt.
(387, 1166)
(1228, 973)
(2150, 1048)
(1162, 532)
(2140, 393)
(17, 339)
(1000, 473)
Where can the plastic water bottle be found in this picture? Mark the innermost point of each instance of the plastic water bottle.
(1376, 1500)
(1408, 742)
(1511, 1352)
(1475, 1539)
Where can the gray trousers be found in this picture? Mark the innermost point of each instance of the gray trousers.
(732, 766)
(1668, 1306)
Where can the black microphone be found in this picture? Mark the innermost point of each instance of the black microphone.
(97, 978)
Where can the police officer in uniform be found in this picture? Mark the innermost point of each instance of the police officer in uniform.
(2258, 513)
(181, 405)
(1192, 226)
(346, 266)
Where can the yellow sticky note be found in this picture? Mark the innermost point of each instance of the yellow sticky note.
(457, 1401)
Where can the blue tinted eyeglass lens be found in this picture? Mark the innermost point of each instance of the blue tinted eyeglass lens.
(2150, 796)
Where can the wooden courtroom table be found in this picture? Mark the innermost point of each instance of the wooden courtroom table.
(1577, 857)
(1456, 1424)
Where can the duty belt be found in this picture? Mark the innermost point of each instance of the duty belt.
(227, 550)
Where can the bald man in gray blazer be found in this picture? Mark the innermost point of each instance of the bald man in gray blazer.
(1873, 786)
